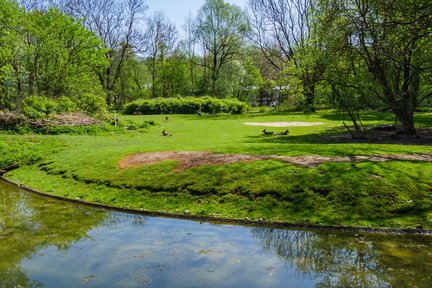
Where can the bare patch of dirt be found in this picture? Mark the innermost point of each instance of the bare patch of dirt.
(189, 159)
(186, 159)
(284, 124)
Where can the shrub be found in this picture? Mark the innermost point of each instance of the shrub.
(93, 104)
(65, 104)
(186, 105)
(38, 107)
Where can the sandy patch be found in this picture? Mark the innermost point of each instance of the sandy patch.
(283, 124)
(189, 159)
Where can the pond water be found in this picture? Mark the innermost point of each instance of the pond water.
(50, 243)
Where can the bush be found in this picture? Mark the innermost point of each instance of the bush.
(93, 104)
(187, 105)
(65, 104)
(38, 107)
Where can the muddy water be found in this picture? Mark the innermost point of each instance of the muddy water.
(49, 243)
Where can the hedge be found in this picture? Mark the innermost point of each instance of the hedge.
(186, 105)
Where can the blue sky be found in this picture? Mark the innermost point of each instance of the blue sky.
(178, 10)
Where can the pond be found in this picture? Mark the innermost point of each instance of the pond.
(50, 243)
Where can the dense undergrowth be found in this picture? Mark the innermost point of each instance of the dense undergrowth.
(385, 194)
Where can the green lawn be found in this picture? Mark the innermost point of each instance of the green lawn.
(386, 194)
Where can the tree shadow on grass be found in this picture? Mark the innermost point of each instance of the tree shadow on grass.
(334, 141)
(421, 119)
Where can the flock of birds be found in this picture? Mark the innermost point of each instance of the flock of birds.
(265, 132)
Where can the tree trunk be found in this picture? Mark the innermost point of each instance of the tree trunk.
(309, 94)
(406, 119)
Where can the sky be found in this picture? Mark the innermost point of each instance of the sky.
(177, 10)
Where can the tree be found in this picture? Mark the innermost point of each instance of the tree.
(10, 45)
(133, 80)
(393, 40)
(116, 22)
(161, 37)
(282, 30)
(220, 30)
(46, 53)
(61, 54)
(187, 46)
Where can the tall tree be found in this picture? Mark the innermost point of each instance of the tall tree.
(161, 37)
(220, 30)
(187, 45)
(10, 45)
(117, 22)
(61, 54)
(393, 39)
(282, 30)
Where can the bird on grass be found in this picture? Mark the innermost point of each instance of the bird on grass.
(164, 133)
(283, 133)
(166, 118)
(265, 132)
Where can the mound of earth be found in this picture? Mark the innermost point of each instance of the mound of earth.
(283, 124)
(189, 159)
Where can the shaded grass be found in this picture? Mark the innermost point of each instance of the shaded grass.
(391, 194)
(394, 194)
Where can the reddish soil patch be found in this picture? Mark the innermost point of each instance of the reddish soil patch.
(189, 159)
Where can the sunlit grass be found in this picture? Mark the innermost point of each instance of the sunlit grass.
(396, 194)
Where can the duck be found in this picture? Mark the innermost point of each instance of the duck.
(164, 133)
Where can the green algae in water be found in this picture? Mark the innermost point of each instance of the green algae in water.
(50, 243)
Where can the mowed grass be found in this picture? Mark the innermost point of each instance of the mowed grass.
(390, 194)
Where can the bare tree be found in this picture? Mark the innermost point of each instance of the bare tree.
(188, 45)
(117, 23)
(282, 30)
(161, 37)
(33, 4)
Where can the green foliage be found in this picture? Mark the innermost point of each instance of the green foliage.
(92, 103)
(39, 107)
(358, 33)
(72, 130)
(220, 29)
(57, 59)
(22, 152)
(186, 105)
(65, 104)
(69, 53)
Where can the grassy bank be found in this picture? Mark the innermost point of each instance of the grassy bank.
(385, 194)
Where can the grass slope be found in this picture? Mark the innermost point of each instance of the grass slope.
(390, 194)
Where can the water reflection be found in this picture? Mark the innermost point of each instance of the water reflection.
(29, 223)
(346, 260)
(48, 243)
